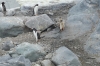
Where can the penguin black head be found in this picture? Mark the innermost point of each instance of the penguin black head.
(36, 5)
(3, 3)
(34, 29)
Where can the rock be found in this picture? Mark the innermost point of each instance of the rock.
(1, 14)
(19, 61)
(10, 3)
(31, 51)
(5, 64)
(27, 10)
(11, 26)
(81, 19)
(52, 33)
(13, 11)
(61, 8)
(49, 56)
(64, 56)
(47, 63)
(4, 58)
(36, 65)
(7, 45)
(39, 22)
(2, 52)
(10, 12)
(93, 44)
(62, 65)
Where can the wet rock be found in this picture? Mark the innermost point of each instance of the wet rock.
(64, 56)
(47, 63)
(39, 22)
(31, 51)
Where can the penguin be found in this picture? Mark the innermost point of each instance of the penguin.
(36, 9)
(61, 25)
(36, 34)
(3, 8)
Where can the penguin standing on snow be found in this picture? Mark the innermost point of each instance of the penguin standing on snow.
(36, 9)
(36, 34)
(3, 8)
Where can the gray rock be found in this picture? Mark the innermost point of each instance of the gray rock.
(47, 63)
(39, 22)
(10, 3)
(27, 9)
(19, 61)
(4, 58)
(62, 65)
(12, 11)
(1, 14)
(7, 45)
(5, 64)
(64, 56)
(36, 65)
(81, 19)
(11, 26)
(30, 51)
(56, 9)
(93, 44)
(52, 33)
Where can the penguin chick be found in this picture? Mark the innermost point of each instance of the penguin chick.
(36, 9)
(3, 8)
(36, 34)
(62, 25)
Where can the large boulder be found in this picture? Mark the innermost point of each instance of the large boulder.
(39, 22)
(65, 56)
(31, 51)
(81, 19)
(92, 46)
(11, 26)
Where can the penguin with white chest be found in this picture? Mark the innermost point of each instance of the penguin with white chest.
(3, 8)
(36, 9)
(36, 34)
